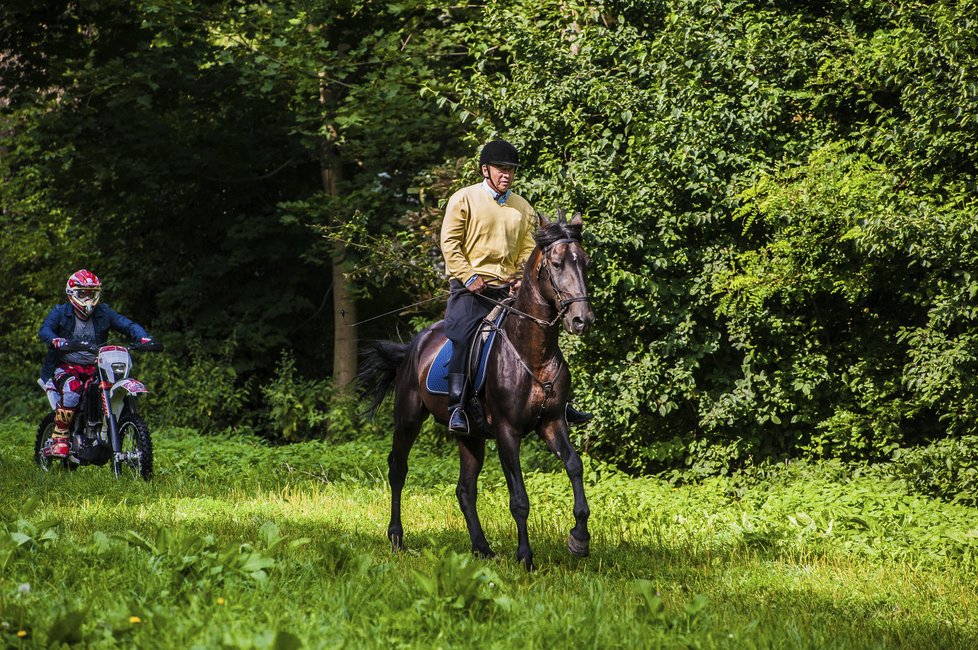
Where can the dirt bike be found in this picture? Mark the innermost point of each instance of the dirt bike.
(107, 426)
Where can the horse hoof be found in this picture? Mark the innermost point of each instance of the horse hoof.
(578, 548)
(527, 563)
(396, 542)
(484, 553)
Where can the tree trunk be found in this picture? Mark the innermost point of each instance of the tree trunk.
(345, 334)
(344, 305)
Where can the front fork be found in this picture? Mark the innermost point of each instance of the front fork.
(114, 440)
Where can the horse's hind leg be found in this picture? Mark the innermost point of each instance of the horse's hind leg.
(472, 455)
(409, 414)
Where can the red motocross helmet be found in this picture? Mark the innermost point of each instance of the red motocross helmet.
(84, 290)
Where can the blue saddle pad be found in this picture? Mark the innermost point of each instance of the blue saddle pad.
(437, 380)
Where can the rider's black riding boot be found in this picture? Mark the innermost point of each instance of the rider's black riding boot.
(458, 422)
(574, 416)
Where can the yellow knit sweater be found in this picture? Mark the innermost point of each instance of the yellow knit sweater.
(479, 236)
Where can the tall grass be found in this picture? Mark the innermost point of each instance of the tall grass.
(239, 545)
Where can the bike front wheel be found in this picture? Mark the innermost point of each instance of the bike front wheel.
(136, 448)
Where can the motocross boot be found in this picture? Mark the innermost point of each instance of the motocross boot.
(59, 437)
(58, 447)
(458, 421)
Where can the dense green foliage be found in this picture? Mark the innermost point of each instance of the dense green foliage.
(150, 148)
(236, 544)
(779, 200)
(781, 203)
(178, 149)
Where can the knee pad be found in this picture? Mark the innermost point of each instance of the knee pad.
(71, 392)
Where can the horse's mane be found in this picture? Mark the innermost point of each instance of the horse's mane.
(555, 231)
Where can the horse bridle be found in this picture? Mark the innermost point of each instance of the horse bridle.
(545, 262)
(564, 303)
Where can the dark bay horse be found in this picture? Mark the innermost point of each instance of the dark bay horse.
(526, 388)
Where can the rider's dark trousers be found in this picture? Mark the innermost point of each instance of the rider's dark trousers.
(463, 315)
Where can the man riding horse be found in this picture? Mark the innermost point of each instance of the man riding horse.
(526, 388)
(486, 238)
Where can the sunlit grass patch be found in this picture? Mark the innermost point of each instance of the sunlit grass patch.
(237, 544)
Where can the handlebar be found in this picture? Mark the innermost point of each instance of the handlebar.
(153, 346)
(79, 346)
(86, 346)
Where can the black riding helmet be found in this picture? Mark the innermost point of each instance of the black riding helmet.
(499, 153)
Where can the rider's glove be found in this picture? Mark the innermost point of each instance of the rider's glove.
(57, 344)
(146, 339)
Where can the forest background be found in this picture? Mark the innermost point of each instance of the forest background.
(779, 199)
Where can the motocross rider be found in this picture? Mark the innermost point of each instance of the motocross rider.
(82, 318)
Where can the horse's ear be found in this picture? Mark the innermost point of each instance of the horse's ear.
(577, 220)
(560, 216)
(543, 221)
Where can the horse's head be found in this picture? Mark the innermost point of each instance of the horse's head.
(561, 270)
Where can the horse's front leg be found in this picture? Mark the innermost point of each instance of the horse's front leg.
(472, 454)
(508, 442)
(554, 433)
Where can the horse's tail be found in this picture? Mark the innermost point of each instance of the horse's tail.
(378, 367)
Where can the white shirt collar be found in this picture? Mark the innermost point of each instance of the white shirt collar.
(496, 196)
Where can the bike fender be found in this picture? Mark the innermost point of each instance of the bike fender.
(123, 388)
(128, 385)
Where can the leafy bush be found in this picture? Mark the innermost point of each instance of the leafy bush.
(23, 398)
(206, 392)
(295, 408)
(201, 390)
(946, 469)
(227, 455)
(783, 238)
(192, 558)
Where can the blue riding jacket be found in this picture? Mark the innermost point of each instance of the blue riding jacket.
(60, 324)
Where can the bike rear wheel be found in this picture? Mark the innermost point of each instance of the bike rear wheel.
(136, 448)
(43, 438)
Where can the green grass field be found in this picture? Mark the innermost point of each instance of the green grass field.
(235, 544)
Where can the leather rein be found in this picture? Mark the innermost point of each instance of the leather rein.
(564, 303)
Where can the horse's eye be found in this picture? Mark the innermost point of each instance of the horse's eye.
(558, 265)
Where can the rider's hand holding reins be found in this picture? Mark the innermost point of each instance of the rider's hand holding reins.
(476, 284)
